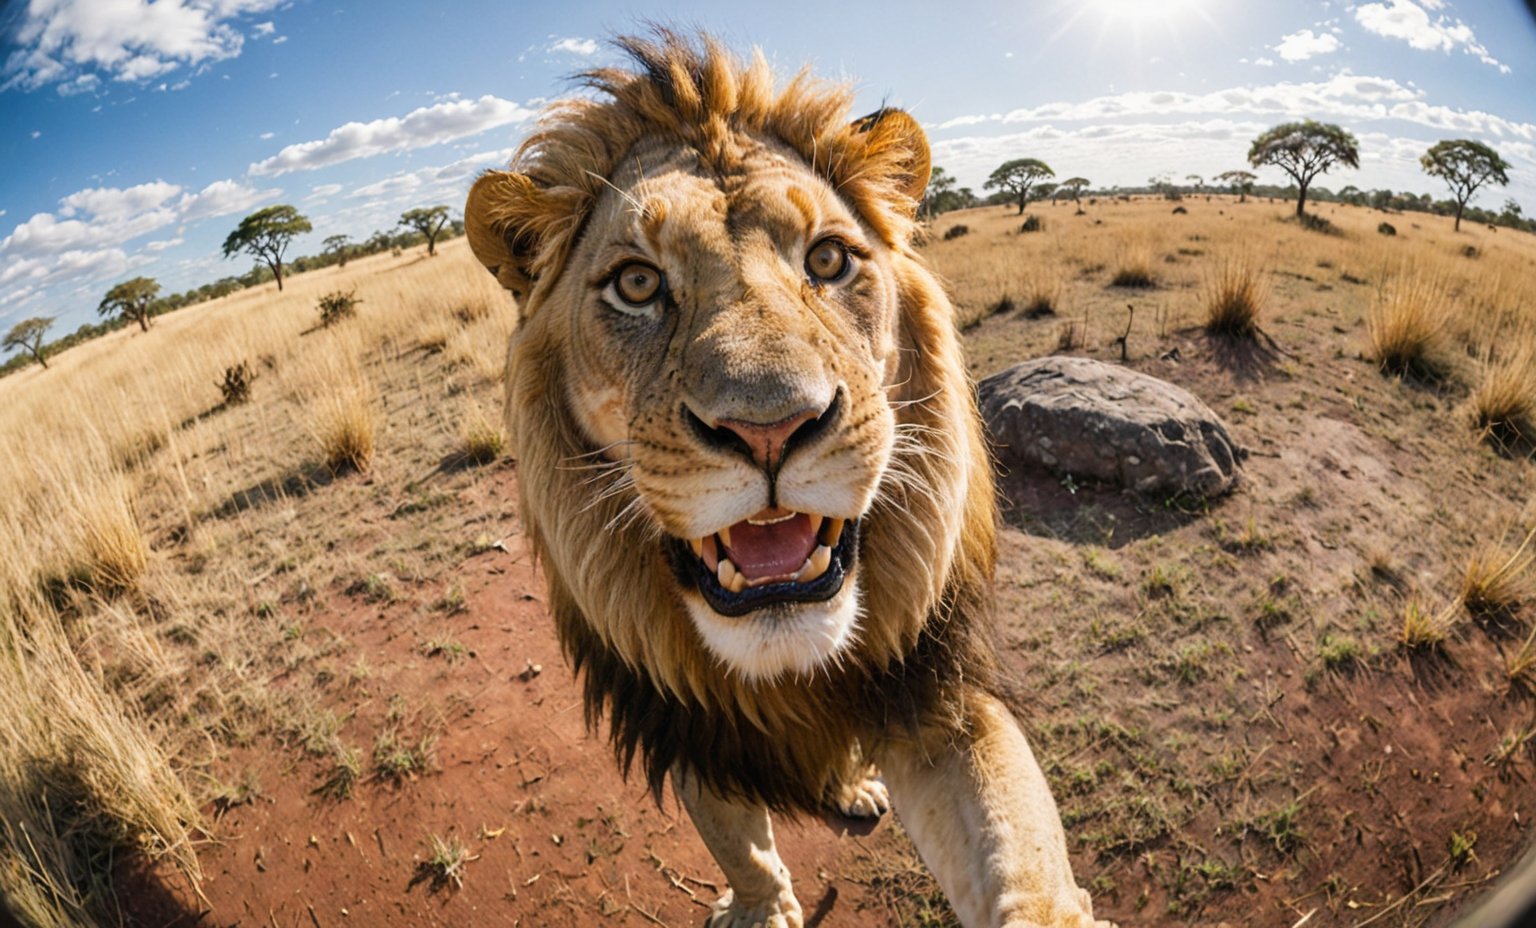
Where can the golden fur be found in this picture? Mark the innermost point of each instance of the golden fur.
(690, 158)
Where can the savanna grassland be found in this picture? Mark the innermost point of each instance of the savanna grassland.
(284, 660)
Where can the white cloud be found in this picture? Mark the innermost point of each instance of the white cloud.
(439, 179)
(280, 40)
(429, 125)
(266, 135)
(85, 83)
(163, 244)
(1264, 62)
(323, 190)
(221, 198)
(128, 40)
(575, 46)
(261, 29)
(1344, 97)
(1411, 23)
(1304, 43)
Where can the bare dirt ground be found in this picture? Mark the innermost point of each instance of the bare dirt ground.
(1216, 690)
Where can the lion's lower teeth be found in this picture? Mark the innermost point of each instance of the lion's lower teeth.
(726, 574)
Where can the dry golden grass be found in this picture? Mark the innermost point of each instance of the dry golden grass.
(126, 444)
(1423, 629)
(1406, 325)
(482, 438)
(1236, 290)
(1503, 404)
(1497, 580)
(1522, 665)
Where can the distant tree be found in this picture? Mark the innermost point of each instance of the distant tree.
(338, 245)
(1197, 181)
(1046, 190)
(1074, 187)
(1240, 181)
(1304, 150)
(28, 336)
(130, 300)
(941, 189)
(266, 234)
(1511, 212)
(1464, 165)
(1352, 195)
(1017, 176)
(429, 221)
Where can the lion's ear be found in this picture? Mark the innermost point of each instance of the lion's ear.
(501, 221)
(896, 138)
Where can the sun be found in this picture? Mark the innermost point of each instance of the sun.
(1142, 12)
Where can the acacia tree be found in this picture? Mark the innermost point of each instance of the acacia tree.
(1239, 181)
(130, 300)
(1305, 150)
(429, 221)
(1464, 165)
(1017, 176)
(28, 336)
(1074, 187)
(1198, 181)
(266, 234)
(338, 245)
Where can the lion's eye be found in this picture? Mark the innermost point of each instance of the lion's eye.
(638, 284)
(827, 260)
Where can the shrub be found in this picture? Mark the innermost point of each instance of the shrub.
(338, 305)
(1180, 211)
(1235, 294)
(1032, 224)
(1405, 325)
(956, 231)
(1387, 228)
(236, 386)
(1470, 251)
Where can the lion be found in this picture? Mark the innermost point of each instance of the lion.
(753, 471)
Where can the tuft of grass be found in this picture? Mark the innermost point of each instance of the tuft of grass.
(1503, 405)
(1497, 580)
(1339, 652)
(1235, 294)
(481, 439)
(1423, 630)
(1042, 296)
(449, 649)
(396, 761)
(113, 551)
(1522, 665)
(1405, 326)
(445, 863)
(1136, 272)
(342, 419)
(341, 778)
(956, 231)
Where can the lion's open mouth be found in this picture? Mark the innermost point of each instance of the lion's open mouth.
(775, 556)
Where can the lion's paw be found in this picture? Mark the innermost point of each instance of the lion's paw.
(780, 912)
(866, 797)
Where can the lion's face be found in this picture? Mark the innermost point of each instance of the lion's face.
(730, 341)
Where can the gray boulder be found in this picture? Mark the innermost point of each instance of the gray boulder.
(1091, 419)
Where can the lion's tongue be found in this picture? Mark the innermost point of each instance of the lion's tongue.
(776, 550)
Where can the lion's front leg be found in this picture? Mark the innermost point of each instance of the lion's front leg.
(981, 814)
(740, 836)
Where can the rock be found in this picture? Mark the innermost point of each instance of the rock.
(1091, 419)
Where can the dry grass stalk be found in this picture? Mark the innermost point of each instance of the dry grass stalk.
(1235, 294)
(481, 436)
(1406, 323)
(1522, 665)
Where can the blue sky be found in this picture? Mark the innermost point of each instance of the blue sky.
(135, 135)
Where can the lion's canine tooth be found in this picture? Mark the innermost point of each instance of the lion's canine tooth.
(710, 555)
(834, 532)
(804, 576)
(816, 521)
(820, 560)
(697, 544)
(725, 535)
(726, 574)
(738, 583)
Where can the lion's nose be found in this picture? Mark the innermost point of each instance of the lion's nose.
(767, 443)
